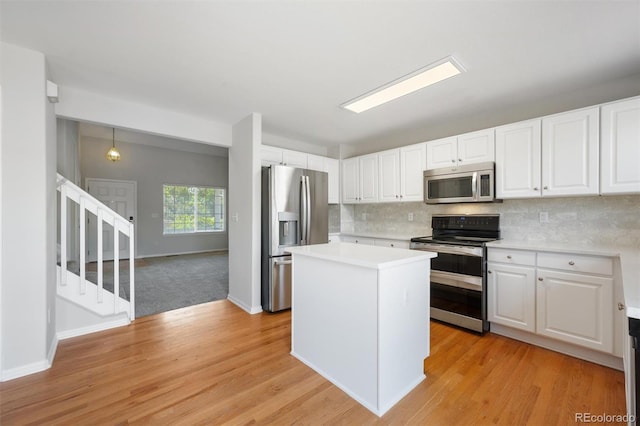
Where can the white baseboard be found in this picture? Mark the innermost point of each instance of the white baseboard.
(93, 328)
(252, 310)
(146, 256)
(52, 350)
(25, 370)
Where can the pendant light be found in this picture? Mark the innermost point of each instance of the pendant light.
(113, 154)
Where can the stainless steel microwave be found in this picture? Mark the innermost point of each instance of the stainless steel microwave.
(473, 183)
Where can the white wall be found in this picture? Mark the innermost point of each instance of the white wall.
(80, 105)
(28, 200)
(244, 214)
(151, 167)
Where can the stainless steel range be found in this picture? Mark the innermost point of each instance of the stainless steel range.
(459, 273)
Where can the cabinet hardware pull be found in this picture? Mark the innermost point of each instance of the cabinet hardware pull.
(489, 272)
(392, 245)
(535, 188)
(540, 279)
(571, 262)
(620, 306)
(453, 161)
(545, 187)
(460, 159)
(509, 257)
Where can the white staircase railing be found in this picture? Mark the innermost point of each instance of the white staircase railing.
(94, 297)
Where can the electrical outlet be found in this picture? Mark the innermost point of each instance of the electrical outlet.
(544, 217)
(410, 217)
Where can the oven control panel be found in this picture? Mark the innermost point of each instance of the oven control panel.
(471, 222)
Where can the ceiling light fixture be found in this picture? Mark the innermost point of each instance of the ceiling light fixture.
(437, 71)
(113, 154)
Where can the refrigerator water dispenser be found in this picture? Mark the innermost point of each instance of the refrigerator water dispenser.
(288, 229)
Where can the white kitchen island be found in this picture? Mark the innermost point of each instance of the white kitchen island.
(360, 318)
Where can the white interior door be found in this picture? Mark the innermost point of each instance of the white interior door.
(120, 196)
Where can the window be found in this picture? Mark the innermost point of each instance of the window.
(192, 209)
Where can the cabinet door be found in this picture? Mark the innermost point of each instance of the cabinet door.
(368, 182)
(270, 155)
(332, 167)
(511, 294)
(294, 158)
(476, 147)
(575, 308)
(442, 153)
(570, 153)
(518, 160)
(412, 166)
(350, 177)
(620, 148)
(316, 162)
(389, 175)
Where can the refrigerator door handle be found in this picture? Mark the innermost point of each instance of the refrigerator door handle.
(303, 211)
(308, 220)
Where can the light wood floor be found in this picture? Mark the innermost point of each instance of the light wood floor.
(213, 364)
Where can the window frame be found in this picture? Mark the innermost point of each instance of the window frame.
(195, 232)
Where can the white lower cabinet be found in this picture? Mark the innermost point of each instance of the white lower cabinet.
(562, 296)
(511, 296)
(575, 308)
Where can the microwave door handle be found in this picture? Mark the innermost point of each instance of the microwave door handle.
(474, 186)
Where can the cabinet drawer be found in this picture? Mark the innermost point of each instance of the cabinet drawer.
(577, 263)
(392, 243)
(516, 257)
(357, 240)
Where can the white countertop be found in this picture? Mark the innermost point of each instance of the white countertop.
(629, 264)
(374, 257)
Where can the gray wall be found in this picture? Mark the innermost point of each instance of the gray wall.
(151, 167)
(609, 220)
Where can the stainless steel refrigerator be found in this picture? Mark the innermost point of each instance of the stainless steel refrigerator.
(295, 212)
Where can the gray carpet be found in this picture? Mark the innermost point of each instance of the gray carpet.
(172, 282)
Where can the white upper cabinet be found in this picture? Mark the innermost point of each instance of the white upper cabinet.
(469, 148)
(442, 153)
(360, 179)
(271, 155)
(549, 157)
(389, 175)
(315, 162)
(476, 147)
(620, 147)
(518, 160)
(570, 143)
(412, 165)
(368, 165)
(350, 181)
(400, 173)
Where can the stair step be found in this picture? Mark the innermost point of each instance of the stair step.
(89, 300)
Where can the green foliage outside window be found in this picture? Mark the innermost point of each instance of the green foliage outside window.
(191, 209)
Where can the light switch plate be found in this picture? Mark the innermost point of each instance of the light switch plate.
(544, 217)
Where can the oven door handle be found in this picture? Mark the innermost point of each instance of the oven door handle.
(442, 248)
(457, 280)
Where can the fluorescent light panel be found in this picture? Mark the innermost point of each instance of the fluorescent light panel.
(438, 71)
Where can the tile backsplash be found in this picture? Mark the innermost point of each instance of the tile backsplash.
(607, 220)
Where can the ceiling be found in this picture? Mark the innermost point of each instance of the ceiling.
(296, 62)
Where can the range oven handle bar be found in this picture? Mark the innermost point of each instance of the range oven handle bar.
(457, 280)
(443, 248)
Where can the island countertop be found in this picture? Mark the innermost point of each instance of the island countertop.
(374, 257)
